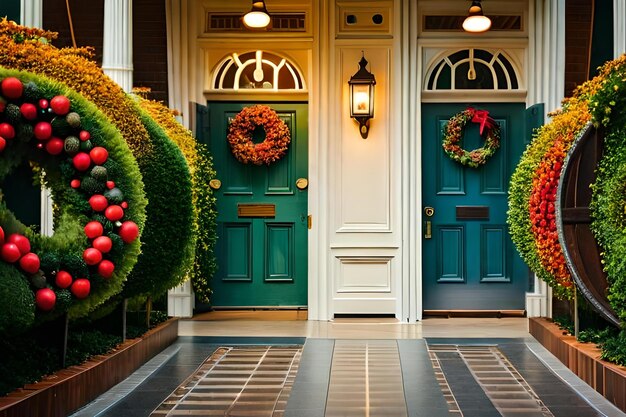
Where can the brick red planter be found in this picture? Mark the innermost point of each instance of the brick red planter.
(583, 359)
(67, 390)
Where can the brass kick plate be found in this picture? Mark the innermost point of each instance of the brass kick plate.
(256, 210)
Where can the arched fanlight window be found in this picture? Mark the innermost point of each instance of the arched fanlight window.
(257, 70)
(473, 69)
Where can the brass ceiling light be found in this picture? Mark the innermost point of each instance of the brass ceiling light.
(476, 21)
(257, 17)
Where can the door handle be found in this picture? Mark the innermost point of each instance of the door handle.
(427, 230)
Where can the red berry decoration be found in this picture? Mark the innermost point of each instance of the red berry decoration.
(102, 243)
(110, 185)
(21, 241)
(106, 268)
(3, 144)
(63, 279)
(98, 202)
(92, 256)
(30, 263)
(124, 205)
(29, 111)
(10, 252)
(84, 135)
(12, 87)
(7, 131)
(43, 130)
(60, 105)
(128, 231)
(93, 229)
(43, 103)
(99, 155)
(75, 183)
(55, 147)
(81, 161)
(80, 288)
(114, 213)
(45, 299)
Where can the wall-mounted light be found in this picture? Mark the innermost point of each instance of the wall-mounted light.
(476, 21)
(257, 17)
(362, 97)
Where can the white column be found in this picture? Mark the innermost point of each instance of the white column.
(117, 48)
(619, 27)
(31, 13)
(546, 85)
(176, 12)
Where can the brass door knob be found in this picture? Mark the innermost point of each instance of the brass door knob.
(302, 183)
(429, 211)
(215, 184)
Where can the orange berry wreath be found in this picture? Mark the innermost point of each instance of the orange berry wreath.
(453, 131)
(240, 131)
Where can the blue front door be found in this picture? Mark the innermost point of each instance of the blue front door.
(469, 261)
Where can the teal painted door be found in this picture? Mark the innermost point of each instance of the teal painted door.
(262, 261)
(469, 262)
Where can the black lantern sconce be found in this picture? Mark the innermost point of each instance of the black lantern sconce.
(362, 97)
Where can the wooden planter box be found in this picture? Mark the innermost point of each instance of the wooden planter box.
(583, 359)
(67, 390)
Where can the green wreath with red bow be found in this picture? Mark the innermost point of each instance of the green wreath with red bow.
(453, 133)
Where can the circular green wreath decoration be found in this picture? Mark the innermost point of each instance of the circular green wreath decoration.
(453, 132)
(97, 190)
(240, 131)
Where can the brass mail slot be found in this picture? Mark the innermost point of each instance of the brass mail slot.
(256, 210)
(472, 212)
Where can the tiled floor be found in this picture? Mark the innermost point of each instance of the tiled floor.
(354, 367)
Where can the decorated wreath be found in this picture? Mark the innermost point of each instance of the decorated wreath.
(453, 132)
(97, 190)
(240, 131)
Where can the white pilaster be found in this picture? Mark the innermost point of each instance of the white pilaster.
(619, 27)
(546, 85)
(31, 13)
(117, 48)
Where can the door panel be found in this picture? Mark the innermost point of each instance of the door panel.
(469, 262)
(262, 216)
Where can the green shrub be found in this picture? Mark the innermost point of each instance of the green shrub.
(17, 310)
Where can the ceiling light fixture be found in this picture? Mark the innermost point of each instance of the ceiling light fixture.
(257, 17)
(476, 21)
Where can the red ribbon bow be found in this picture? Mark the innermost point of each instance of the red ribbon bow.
(482, 117)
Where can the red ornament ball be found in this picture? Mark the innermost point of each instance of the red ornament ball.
(1, 236)
(29, 111)
(55, 146)
(45, 299)
(12, 87)
(43, 130)
(75, 183)
(80, 288)
(30, 263)
(98, 202)
(7, 131)
(128, 231)
(84, 135)
(110, 185)
(60, 105)
(3, 144)
(102, 243)
(106, 268)
(114, 213)
(92, 256)
(99, 155)
(63, 279)
(43, 103)
(93, 229)
(124, 205)
(10, 252)
(81, 161)
(21, 241)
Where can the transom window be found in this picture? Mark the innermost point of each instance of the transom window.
(257, 70)
(473, 69)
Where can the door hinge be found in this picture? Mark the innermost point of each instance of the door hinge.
(309, 221)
